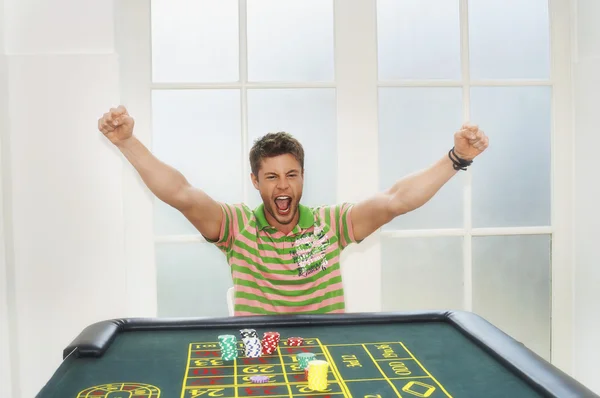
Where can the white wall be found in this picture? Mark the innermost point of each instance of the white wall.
(5, 357)
(5, 275)
(132, 30)
(66, 181)
(586, 69)
(356, 81)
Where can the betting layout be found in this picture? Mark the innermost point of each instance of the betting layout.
(304, 367)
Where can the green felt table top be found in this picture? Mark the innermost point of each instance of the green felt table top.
(425, 359)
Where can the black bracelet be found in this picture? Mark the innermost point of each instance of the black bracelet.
(458, 163)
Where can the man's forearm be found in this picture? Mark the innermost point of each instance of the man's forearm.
(163, 180)
(413, 191)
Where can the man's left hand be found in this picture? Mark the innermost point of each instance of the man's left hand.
(470, 142)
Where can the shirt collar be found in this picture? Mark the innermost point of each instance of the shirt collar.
(305, 221)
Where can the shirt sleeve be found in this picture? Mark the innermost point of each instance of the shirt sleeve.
(235, 218)
(342, 216)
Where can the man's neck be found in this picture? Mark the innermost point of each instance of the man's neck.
(283, 228)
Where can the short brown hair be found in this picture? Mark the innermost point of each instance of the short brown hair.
(275, 144)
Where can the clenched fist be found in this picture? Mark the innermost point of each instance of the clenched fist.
(116, 125)
(469, 142)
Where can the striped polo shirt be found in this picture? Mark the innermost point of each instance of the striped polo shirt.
(274, 273)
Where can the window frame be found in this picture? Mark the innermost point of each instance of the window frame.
(357, 85)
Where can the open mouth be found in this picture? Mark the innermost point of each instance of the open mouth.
(283, 204)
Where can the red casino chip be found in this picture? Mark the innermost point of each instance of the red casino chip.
(295, 341)
(270, 342)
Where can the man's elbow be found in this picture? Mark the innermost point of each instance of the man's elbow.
(180, 198)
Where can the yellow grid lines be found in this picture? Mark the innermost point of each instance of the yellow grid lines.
(250, 384)
(336, 372)
(262, 356)
(361, 344)
(426, 371)
(390, 378)
(187, 367)
(381, 370)
(210, 347)
(235, 378)
(242, 365)
(270, 374)
(285, 373)
(312, 394)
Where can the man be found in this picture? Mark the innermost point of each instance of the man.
(284, 257)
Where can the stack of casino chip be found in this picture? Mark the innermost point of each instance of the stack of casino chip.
(270, 343)
(259, 379)
(248, 333)
(304, 358)
(295, 341)
(252, 347)
(317, 375)
(228, 344)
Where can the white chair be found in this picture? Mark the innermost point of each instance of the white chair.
(230, 293)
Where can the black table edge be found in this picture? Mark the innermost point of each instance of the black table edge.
(550, 381)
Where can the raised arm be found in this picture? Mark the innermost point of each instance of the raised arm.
(167, 183)
(413, 191)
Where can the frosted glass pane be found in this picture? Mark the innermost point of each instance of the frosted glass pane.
(290, 40)
(198, 133)
(416, 129)
(408, 46)
(509, 39)
(193, 279)
(310, 116)
(421, 273)
(511, 180)
(511, 287)
(195, 41)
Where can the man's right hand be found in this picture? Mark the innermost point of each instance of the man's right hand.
(116, 125)
(167, 183)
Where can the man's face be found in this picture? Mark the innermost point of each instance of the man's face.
(280, 181)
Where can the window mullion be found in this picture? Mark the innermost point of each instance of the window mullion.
(243, 80)
(357, 145)
(468, 181)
